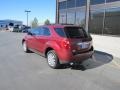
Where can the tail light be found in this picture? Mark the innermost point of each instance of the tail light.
(65, 44)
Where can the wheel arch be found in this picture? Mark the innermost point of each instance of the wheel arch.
(47, 50)
(23, 41)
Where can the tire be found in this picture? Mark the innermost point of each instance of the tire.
(53, 60)
(25, 48)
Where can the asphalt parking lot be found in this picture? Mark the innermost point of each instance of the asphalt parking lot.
(21, 71)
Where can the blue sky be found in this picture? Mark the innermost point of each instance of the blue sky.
(14, 9)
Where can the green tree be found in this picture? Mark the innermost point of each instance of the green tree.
(47, 22)
(34, 23)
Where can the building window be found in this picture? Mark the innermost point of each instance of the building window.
(70, 3)
(112, 19)
(96, 22)
(62, 18)
(112, 0)
(93, 2)
(70, 17)
(80, 18)
(62, 5)
(80, 3)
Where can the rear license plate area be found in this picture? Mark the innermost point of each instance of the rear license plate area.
(84, 45)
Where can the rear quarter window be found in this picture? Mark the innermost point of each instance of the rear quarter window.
(60, 32)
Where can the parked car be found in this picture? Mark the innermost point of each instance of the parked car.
(60, 44)
(25, 29)
(16, 29)
(10, 28)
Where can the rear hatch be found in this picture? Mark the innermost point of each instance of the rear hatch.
(80, 40)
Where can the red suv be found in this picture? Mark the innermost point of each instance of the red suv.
(60, 44)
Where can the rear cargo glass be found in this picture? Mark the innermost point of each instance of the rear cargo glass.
(75, 32)
(71, 32)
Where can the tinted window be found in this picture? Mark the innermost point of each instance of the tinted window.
(62, 5)
(75, 32)
(93, 2)
(46, 31)
(80, 3)
(112, 21)
(96, 22)
(36, 31)
(60, 32)
(70, 3)
(112, 0)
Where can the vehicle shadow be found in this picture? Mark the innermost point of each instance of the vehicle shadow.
(99, 58)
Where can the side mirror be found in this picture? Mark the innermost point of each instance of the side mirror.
(29, 33)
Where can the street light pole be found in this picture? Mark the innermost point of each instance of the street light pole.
(87, 15)
(27, 13)
(57, 11)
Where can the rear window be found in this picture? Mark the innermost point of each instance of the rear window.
(75, 32)
(72, 32)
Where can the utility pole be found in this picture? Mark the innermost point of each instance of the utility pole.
(27, 13)
(57, 11)
(87, 15)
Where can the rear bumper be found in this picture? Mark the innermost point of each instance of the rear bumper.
(78, 57)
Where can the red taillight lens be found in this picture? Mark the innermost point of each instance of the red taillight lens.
(66, 44)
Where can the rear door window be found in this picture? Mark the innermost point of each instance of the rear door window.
(38, 31)
(46, 31)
